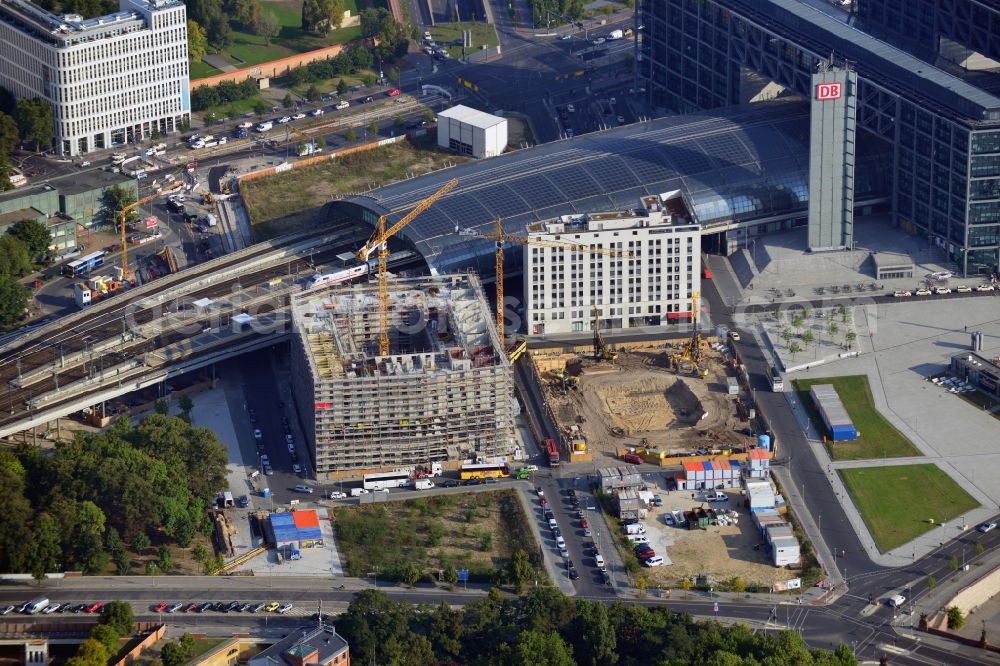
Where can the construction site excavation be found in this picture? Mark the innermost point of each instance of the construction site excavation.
(644, 401)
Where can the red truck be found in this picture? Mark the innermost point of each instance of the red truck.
(633, 458)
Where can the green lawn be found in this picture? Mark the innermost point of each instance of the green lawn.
(878, 438)
(248, 50)
(898, 502)
(482, 33)
(201, 70)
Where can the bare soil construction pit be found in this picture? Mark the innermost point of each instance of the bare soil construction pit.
(638, 402)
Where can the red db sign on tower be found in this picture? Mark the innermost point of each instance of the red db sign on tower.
(825, 91)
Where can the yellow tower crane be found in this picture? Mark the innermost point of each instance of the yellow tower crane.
(499, 237)
(123, 215)
(380, 241)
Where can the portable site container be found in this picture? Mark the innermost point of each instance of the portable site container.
(833, 413)
(785, 551)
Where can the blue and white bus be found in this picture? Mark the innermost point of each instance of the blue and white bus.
(84, 265)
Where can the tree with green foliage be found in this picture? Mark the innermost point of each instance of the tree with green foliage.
(107, 636)
(10, 134)
(266, 25)
(520, 570)
(445, 632)
(140, 542)
(90, 653)
(35, 120)
(287, 102)
(956, 618)
(393, 74)
(410, 574)
(808, 338)
(46, 540)
(342, 87)
(117, 551)
(540, 648)
(118, 615)
(322, 16)
(166, 560)
(350, 135)
(592, 635)
(399, 122)
(15, 258)
(321, 142)
(219, 34)
(953, 563)
(113, 201)
(794, 348)
(931, 582)
(186, 404)
(373, 128)
(161, 407)
(850, 337)
(197, 41)
(13, 302)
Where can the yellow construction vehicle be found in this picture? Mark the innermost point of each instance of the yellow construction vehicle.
(123, 216)
(499, 237)
(690, 357)
(601, 350)
(380, 242)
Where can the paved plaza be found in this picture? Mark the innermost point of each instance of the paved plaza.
(913, 341)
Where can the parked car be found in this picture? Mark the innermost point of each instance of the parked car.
(160, 607)
(338, 495)
(285, 119)
(7, 610)
(963, 289)
(342, 104)
(298, 116)
(301, 488)
(393, 93)
(52, 608)
(316, 112)
(656, 561)
(986, 527)
(95, 607)
(285, 608)
(173, 608)
(244, 501)
(296, 468)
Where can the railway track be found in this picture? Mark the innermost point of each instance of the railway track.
(67, 350)
(120, 347)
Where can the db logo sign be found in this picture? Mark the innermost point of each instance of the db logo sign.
(828, 91)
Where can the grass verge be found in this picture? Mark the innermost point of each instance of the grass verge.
(413, 540)
(878, 438)
(201, 70)
(271, 200)
(444, 33)
(898, 502)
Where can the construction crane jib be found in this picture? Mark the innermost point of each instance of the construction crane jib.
(123, 215)
(380, 241)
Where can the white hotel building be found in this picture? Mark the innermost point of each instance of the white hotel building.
(110, 80)
(652, 287)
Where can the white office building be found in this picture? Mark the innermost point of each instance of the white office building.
(470, 132)
(650, 284)
(110, 80)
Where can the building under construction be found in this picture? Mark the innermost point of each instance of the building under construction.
(444, 391)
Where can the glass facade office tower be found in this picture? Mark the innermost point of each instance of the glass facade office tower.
(944, 131)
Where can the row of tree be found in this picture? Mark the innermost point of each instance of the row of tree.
(545, 628)
(115, 622)
(345, 62)
(78, 506)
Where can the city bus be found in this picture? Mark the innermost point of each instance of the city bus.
(777, 384)
(84, 265)
(553, 450)
(386, 480)
(484, 471)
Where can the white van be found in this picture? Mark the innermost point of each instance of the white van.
(637, 538)
(553, 524)
(896, 601)
(634, 528)
(600, 562)
(656, 561)
(560, 542)
(358, 492)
